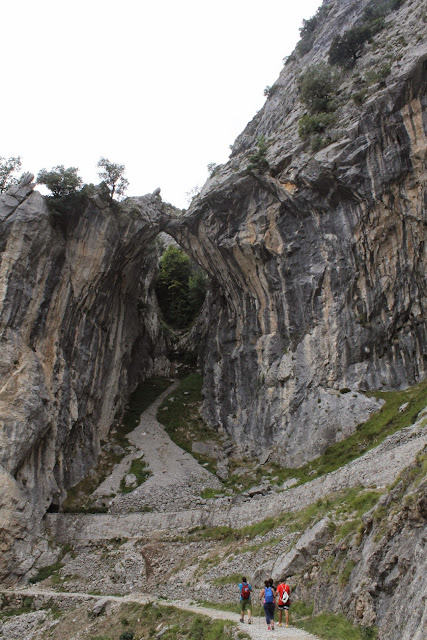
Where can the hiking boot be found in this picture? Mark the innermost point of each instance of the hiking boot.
(272, 626)
(241, 620)
(280, 624)
(249, 621)
(268, 628)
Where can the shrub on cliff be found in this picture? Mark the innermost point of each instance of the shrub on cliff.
(60, 181)
(257, 160)
(314, 124)
(317, 87)
(346, 49)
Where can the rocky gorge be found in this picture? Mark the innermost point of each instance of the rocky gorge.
(315, 250)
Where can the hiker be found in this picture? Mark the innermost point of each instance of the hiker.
(245, 599)
(268, 599)
(284, 593)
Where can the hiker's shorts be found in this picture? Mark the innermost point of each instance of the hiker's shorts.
(282, 606)
(245, 603)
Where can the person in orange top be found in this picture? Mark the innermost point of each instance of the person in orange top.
(284, 593)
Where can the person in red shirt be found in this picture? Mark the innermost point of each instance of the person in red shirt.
(284, 593)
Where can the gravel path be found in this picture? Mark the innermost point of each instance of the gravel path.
(177, 477)
(257, 630)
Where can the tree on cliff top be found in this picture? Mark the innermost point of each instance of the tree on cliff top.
(112, 175)
(8, 166)
(61, 181)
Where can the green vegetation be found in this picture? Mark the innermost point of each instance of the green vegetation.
(182, 421)
(233, 607)
(112, 175)
(346, 572)
(308, 30)
(140, 470)
(258, 162)
(399, 497)
(46, 572)
(317, 88)
(234, 578)
(348, 47)
(314, 124)
(8, 168)
(210, 493)
(334, 627)
(352, 500)
(180, 288)
(270, 91)
(79, 497)
(60, 181)
(26, 607)
(368, 434)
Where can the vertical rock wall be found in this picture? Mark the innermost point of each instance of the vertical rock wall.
(77, 314)
(320, 268)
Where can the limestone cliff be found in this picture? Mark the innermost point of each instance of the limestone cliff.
(78, 329)
(319, 261)
(318, 284)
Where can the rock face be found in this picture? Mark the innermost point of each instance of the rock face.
(78, 329)
(318, 285)
(319, 262)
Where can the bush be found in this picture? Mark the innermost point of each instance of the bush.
(360, 96)
(316, 123)
(346, 49)
(257, 161)
(60, 181)
(127, 635)
(317, 86)
(270, 91)
(317, 143)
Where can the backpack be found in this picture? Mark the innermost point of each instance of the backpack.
(246, 592)
(283, 595)
(268, 594)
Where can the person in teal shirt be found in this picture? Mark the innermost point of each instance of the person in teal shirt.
(245, 599)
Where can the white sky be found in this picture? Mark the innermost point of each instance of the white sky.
(163, 87)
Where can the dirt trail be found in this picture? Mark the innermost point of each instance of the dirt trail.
(176, 477)
(257, 630)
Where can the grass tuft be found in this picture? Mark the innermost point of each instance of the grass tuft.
(332, 626)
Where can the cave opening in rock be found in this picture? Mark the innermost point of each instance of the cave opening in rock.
(180, 287)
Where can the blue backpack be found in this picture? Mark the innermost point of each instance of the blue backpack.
(268, 594)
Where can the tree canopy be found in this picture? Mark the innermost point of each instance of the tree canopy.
(60, 181)
(180, 288)
(112, 174)
(8, 167)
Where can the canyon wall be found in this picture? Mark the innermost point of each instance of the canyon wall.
(78, 329)
(319, 261)
(318, 285)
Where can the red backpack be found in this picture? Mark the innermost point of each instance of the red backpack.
(246, 592)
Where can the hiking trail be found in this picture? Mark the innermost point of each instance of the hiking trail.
(257, 630)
